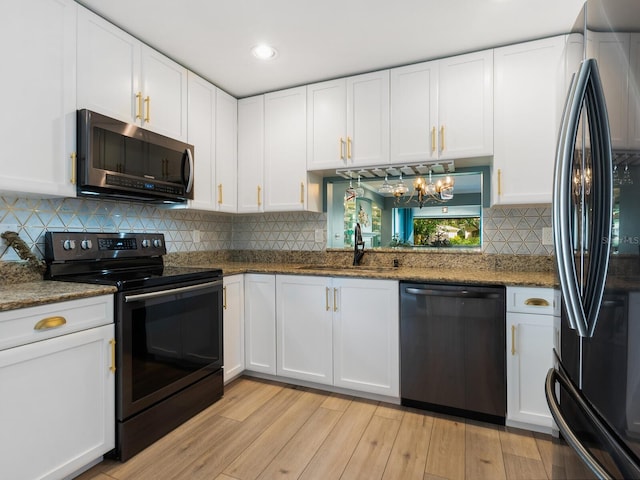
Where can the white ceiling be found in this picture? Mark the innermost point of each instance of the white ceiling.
(323, 39)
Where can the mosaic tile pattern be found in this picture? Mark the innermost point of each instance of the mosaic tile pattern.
(515, 230)
(31, 218)
(280, 231)
(505, 230)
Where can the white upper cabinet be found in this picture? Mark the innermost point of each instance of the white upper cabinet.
(618, 58)
(288, 187)
(348, 122)
(226, 151)
(529, 96)
(201, 134)
(442, 109)
(414, 112)
(38, 97)
(251, 154)
(121, 77)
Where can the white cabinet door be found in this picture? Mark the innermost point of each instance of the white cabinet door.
(327, 124)
(465, 105)
(304, 330)
(532, 331)
(201, 134)
(260, 322)
(57, 407)
(226, 151)
(529, 358)
(414, 112)
(108, 68)
(365, 336)
(529, 95)
(233, 327)
(164, 88)
(38, 117)
(251, 154)
(121, 77)
(348, 122)
(285, 168)
(368, 119)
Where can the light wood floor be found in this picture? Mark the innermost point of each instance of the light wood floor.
(268, 430)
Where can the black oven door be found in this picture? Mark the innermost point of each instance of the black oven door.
(167, 339)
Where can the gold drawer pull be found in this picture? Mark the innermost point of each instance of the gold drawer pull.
(49, 323)
(536, 302)
(112, 368)
(326, 298)
(224, 298)
(513, 339)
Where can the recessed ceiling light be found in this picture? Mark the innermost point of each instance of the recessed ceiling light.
(264, 52)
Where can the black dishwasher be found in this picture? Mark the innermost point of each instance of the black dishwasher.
(452, 349)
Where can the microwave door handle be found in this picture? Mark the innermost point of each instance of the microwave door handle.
(191, 173)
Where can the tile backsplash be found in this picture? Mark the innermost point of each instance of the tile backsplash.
(505, 230)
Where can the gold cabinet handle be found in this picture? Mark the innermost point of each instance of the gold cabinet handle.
(536, 302)
(326, 298)
(335, 299)
(341, 148)
(259, 195)
(224, 298)
(442, 145)
(499, 182)
(302, 193)
(112, 368)
(219, 194)
(74, 162)
(513, 339)
(49, 323)
(147, 102)
(349, 148)
(139, 105)
(433, 140)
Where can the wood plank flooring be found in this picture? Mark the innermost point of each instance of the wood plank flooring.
(267, 430)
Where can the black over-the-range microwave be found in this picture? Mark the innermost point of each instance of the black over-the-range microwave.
(121, 160)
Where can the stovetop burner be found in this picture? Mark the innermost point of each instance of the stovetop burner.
(125, 260)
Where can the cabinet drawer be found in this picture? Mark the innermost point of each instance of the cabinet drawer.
(543, 301)
(27, 325)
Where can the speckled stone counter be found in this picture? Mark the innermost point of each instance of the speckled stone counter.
(30, 294)
(467, 268)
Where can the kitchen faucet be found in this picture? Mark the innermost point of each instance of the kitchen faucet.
(358, 249)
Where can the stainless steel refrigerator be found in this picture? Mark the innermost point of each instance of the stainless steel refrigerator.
(594, 391)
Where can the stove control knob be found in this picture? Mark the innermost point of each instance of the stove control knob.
(69, 244)
(145, 243)
(86, 245)
(157, 242)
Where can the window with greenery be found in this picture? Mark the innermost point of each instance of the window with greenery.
(445, 232)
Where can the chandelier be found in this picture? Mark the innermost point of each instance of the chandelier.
(440, 191)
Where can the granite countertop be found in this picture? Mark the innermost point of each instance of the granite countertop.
(414, 274)
(30, 294)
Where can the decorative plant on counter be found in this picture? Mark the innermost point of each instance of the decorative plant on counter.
(22, 249)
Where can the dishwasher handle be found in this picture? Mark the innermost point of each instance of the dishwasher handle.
(471, 293)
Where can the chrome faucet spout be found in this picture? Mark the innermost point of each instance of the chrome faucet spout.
(358, 245)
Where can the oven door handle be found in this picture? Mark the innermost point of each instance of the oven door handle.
(171, 291)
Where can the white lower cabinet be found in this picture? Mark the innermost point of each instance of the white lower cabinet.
(57, 401)
(233, 326)
(260, 323)
(338, 331)
(532, 333)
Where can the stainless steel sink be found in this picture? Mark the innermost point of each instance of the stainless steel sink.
(351, 268)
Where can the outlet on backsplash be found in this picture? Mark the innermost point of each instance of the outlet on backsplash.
(547, 236)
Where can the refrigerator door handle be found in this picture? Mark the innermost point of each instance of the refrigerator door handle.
(590, 461)
(582, 302)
